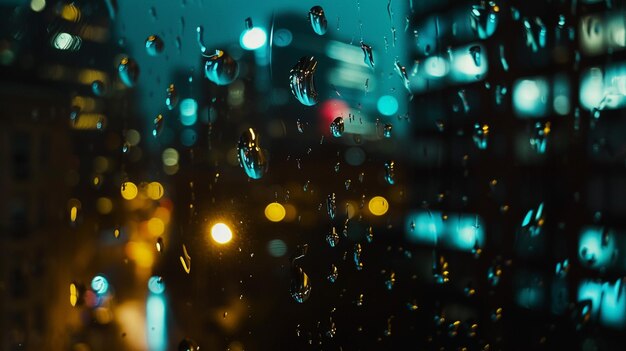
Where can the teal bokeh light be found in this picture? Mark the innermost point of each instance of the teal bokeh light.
(387, 105)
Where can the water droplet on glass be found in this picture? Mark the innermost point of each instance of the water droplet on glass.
(301, 81)
(368, 56)
(484, 19)
(188, 345)
(347, 184)
(252, 158)
(185, 260)
(332, 238)
(539, 137)
(370, 235)
(391, 280)
(463, 98)
(152, 13)
(334, 273)
(389, 172)
(305, 187)
(493, 274)
(300, 288)
(331, 205)
(440, 268)
(300, 126)
(318, 20)
(475, 52)
(220, 68)
(157, 125)
(387, 130)
(128, 70)
(74, 114)
(154, 45)
(159, 245)
(535, 33)
(562, 268)
(171, 100)
(481, 135)
(357, 257)
(98, 88)
(337, 167)
(581, 313)
(401, 71)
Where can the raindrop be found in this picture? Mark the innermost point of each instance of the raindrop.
(359, 301)
(300, 288)
(493, 274)
(505, 64)
(581, 313)
(188, 345)
(334, 273)
(74, 114)
(128, 70)
(539, 137)
(535, 34)
(337, 167)
(480, 135)
(361, 177)
(401, 71)
(368, 57)
(391, 280)
(332, 238)
(98, 88)
(387, 130)
(440, 268)
(171, 100)
(347, 184)
(562, 268)
(200, 40)
(370, 235)
(248, 23)
(337, 127)
(220, 68)
(154, 45)
(305, 187)
(331, 205)
(157, 125)
(389, 172)
(318, 20)
(252, 158)
(475, 52)
(357, 257)
(301, 80)
(159, 245)
(463, 98)
(300, 126)
(185, 260)
(484, 19)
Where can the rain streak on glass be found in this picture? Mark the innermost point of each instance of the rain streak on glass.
(390, 172)
(154, 45)
(301, 81)
(401, 71)
(387, 130)
(331, 205)
(188, 345)
(157, 126)
(128, 70)
(391, 280)
(318, 20)
(171, 100)
(358, 263)
(252, 158)
(332, 238)
(98, 88)
(220, 68)
(334, 273)
(368, 56)
(337, 127)
(475, 53)
(300, 288)
(481, 135)
(484, 19)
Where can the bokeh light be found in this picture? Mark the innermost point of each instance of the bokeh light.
(275, 212)
(221, 233)
(378, 205)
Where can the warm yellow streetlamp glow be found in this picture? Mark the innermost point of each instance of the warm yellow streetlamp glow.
(221, 233)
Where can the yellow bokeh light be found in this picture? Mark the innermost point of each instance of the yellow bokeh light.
(104, 205)
(221, 233)
(141, 253)
(275, 212)
(154, 190)
(129, 190)
(156, 226)
(73, 213)
(378, 206)
(73, 294)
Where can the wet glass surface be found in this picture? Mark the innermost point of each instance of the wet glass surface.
(347, 175)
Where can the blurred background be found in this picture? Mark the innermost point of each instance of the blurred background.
(334, 175)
